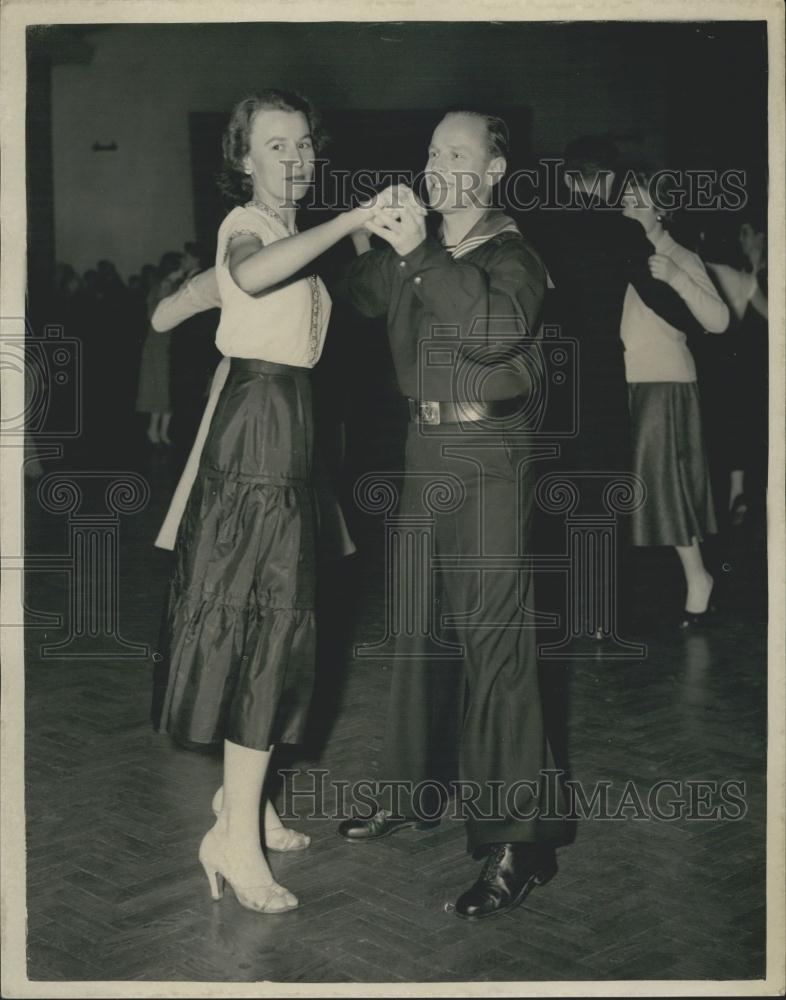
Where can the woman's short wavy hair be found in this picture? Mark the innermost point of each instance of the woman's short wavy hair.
(233, 182)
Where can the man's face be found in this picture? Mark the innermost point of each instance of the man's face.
(751, 242)
(460, 172)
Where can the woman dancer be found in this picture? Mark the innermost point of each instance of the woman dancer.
(240, 618)
(153, 395)
(744, 370)
(668, 449)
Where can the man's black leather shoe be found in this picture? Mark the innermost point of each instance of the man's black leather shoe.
(362, 830)
(510, 873)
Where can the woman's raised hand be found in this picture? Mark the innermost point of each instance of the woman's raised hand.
(398, 216)
(662, 267)
(403, 228)
(392, 201)
(360, 240)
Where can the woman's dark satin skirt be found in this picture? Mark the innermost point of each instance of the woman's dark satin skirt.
(239, 633)
(669, 456)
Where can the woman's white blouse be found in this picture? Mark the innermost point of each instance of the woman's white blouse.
(285, 324)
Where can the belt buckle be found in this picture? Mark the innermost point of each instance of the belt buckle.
(428, 411)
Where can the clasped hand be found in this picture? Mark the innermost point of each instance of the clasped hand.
(662, 267)
(398, 216)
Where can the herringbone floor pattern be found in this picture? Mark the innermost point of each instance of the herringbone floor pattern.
(115, 814)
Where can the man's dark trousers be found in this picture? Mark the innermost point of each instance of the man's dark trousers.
(476, 716)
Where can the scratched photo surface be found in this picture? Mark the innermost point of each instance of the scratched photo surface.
(395, 441)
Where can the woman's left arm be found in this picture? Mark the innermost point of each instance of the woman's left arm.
(759, 303)
(758, 298)
(694, 287)
(194, 296)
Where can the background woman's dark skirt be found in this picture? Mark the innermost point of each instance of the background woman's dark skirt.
(239, 627)
(669, 456)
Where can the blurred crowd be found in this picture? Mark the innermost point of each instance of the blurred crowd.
(139, 388)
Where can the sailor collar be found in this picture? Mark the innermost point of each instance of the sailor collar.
(486, 228)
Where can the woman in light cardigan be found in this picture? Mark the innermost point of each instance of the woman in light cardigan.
(668, 447)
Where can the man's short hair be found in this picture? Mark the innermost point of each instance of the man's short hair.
(591, 154)
(497, 132)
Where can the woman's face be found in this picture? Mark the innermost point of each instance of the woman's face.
(280, 159)
(751, 242)
(637, 204)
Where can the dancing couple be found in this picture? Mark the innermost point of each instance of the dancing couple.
(239, 625)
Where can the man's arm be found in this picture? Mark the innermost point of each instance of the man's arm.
(195, 296)
(366, 283)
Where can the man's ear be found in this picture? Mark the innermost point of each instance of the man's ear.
(496, 169)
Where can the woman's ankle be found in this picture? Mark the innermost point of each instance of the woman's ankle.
(699, 592)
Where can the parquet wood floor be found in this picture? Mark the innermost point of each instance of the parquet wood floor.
(115, 812)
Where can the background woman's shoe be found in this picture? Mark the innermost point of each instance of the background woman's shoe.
(510, 873)
(694, 619)
(381, 825)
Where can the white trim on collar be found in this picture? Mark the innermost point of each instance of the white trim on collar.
(470, 243)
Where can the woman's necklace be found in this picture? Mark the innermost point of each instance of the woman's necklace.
(271, 213)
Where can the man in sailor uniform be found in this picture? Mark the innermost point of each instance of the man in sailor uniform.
(474, 714)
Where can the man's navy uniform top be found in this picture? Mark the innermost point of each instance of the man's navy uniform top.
(490, 287)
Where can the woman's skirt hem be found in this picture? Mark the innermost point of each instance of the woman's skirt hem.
(669, 458)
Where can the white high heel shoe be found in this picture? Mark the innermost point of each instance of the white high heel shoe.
(284, 839)
(269, 897)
